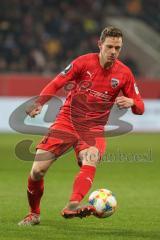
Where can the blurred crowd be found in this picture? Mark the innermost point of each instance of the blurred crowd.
(45, 35)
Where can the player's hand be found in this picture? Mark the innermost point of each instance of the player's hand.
(124, 102)
(34, 109)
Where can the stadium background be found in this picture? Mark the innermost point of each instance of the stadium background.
(38, 39)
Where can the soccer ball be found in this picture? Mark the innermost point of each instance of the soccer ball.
(104, 202)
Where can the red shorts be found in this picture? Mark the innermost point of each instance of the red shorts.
(62, 136)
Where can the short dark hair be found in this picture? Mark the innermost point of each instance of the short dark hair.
(110, 32)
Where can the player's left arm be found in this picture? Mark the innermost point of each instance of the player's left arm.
(132, 97)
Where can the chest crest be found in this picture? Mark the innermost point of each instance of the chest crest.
(115, 82)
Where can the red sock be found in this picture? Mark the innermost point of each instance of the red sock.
(83, 182)
(35, 192)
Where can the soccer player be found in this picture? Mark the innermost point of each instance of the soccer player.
(95, 80)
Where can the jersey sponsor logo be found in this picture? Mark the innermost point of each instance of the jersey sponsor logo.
(136, 89)
(67, 69)
(104, 96)
(114, 82)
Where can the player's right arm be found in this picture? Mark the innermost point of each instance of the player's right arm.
(71, 72)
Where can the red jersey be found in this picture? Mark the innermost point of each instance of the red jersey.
(92, 90)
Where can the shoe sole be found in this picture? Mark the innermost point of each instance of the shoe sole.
(85, 212)
(81, 213)
(28, 224)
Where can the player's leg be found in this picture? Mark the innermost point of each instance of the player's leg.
(43, 160)
(57, 141)
(89, 159)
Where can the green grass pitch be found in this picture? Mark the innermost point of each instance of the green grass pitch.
(132, 172)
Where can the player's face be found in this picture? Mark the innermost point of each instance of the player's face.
(110, 49)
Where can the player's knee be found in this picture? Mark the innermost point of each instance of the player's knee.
(37, 173)
(90, 156)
